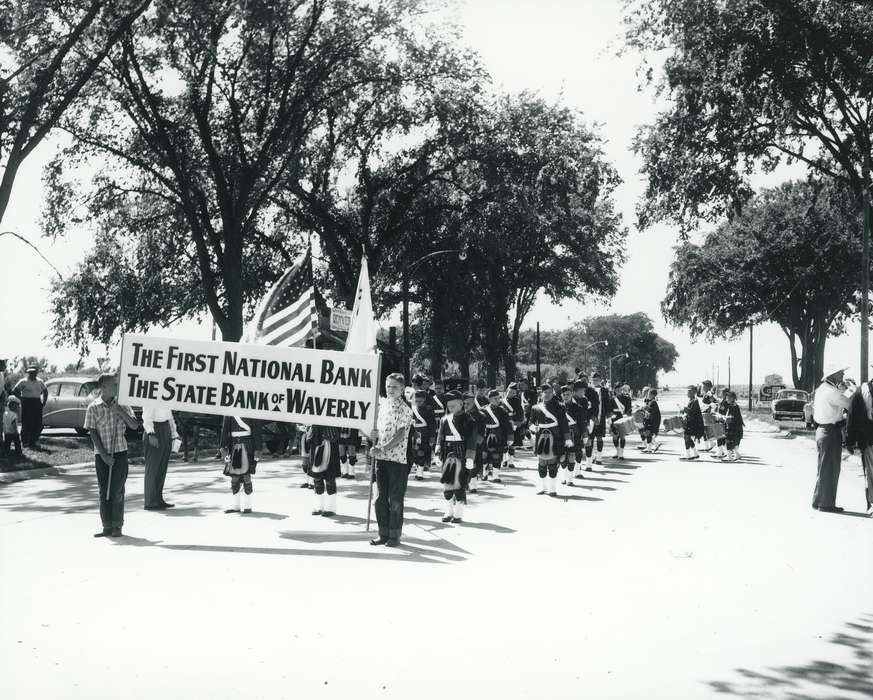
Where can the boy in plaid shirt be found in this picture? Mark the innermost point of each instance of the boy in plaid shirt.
(106, 420)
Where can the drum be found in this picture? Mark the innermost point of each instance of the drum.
(639, 417)
(624, 426)
(675, 423)
(709, 419)
(714, 431)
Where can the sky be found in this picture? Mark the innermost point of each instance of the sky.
(561, 49)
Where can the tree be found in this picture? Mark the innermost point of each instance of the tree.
(752, 84)
(790, 257)
(207, 112)
(51, 49)
(632, 334)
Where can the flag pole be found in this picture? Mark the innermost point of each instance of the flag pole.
(372, 458)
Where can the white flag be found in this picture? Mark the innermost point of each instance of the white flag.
(362, 331)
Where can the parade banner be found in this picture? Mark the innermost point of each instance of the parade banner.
(296, 385)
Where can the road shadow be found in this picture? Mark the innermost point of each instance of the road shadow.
(595, 478)
(574, 497)
(815, 679)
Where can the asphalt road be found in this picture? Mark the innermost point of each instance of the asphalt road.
(653, 578)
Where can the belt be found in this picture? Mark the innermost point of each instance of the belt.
(830, 425)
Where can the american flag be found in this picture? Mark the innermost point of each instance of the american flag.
(287, 315)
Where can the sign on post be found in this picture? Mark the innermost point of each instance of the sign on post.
(297, 385)
(340, 320)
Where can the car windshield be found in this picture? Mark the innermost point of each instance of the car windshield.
(796, 395)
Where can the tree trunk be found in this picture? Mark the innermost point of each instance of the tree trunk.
(437, 353)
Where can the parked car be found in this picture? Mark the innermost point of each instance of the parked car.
(788, 404)
(68, 398)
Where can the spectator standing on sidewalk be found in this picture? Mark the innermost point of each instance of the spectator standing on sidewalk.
(859, 434)
(11, 437)
(159, 432)
(107, 420)
(33, 395)
(827, 413)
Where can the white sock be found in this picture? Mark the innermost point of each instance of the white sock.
(620, 452)
(236, 500)
(319, 500)
(419, 470)
(579, 465)
(330, 502)
(553, 484)
(459, 510)
(510, 459)
(246, 501)
(449, 509)
(543, 483)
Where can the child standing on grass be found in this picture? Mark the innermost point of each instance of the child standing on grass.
(10, 426)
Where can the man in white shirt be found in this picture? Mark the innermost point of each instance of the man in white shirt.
(830, 403)
(159, 431)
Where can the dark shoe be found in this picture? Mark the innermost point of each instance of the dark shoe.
(579, 476)
(327, 513)
(589, 469)
(445, 519)
(830, 509)
(392, 542)
(553, 493)
(694, 457)
(104, 533)
(116, 532)
(472, 490)
(168, 505)
(497, 480)
(153, 507)
(378, 541)
(247, 510)
(231, 510)
(418, 478)
(571, 484)
(317, 512)
(306, 485)
(457, 521)
(541, 493)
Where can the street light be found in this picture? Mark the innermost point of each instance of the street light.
(407, 271)
(621, 354)
(604, 343)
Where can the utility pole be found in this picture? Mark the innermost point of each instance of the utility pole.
(865, 274)
(751, 335)
(539, 382)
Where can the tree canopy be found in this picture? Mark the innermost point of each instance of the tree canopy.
(791, 257)
(49, 51)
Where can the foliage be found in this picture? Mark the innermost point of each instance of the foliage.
(750, 84)
(648, 353)
(791, 257)
(206, 113)
(49, 50)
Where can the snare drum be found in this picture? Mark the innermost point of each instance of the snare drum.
(624, 426)
(714, 431)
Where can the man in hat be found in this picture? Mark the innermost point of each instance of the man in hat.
(498, 433)
(511, 402)
(604, 401)
(592, 395)
(859, 434)
(708, 404)
(436, 403)
(471, 408)
(33, 395)
(457, 438)
(424, 427)
(577, 409)
(827, 414)
(549, 420)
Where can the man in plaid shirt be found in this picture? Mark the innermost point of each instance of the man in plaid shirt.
(107, 420)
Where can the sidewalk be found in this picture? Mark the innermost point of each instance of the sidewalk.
(654, 578)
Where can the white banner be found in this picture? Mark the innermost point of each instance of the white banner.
(296, 385)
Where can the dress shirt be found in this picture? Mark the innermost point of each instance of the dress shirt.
(158, 414)
(111, 428)
(394, 416)
(829, 404)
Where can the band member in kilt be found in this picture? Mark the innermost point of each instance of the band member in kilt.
(457, 437)
(514, 408)
(424, 427)
(652, 421)
(693, 424)
(321, 461)
(549, 421)
(708, 404)
(593, 396)
(720, 413)
(437, 403)
(621, 408)
(498, 433)
(348, 452)
(733, 428)
(471, 408)
(238, 449)
(604, 401)
(578, 411)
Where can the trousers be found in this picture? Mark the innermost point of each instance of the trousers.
(829, 441)
(156, 461)
(391, 480)
(111, 483)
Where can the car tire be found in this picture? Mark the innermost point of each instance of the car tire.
(81, 431)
